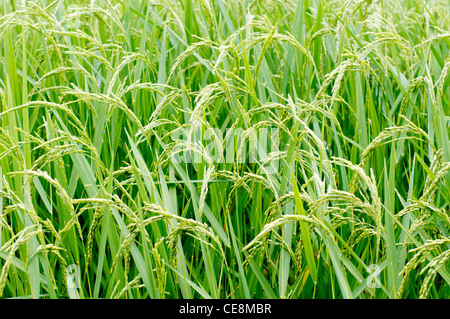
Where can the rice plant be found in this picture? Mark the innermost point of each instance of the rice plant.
(225, 149)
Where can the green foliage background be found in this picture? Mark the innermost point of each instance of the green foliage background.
(92, 93)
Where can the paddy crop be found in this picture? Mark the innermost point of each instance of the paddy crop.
(224, 149)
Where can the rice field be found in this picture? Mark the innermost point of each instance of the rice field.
(225, 149)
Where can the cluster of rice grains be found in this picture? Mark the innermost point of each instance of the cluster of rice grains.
(224, 149)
